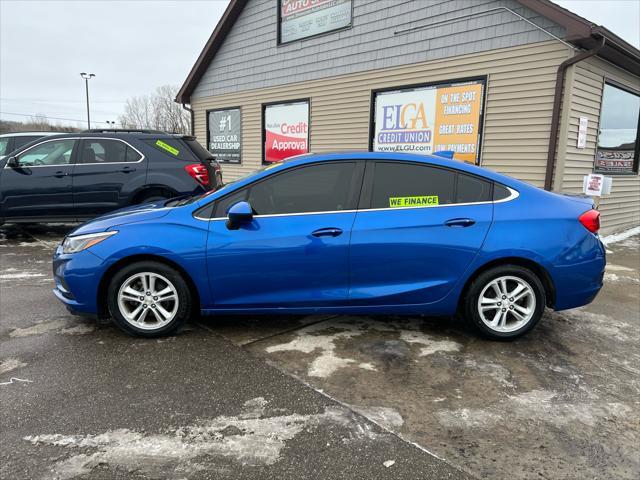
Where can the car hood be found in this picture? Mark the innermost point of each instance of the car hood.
(135, 214)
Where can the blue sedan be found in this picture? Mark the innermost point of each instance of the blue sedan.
(353, 233)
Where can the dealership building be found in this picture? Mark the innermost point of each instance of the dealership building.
(523, 87)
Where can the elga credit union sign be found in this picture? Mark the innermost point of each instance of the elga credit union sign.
(225, 137)
(306, 18)
(286, 131)
(425, 120)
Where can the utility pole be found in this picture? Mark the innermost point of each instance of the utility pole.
(87, 77)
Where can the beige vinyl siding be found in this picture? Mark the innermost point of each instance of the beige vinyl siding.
(517, 119)
(585, 83)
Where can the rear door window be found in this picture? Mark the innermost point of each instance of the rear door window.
(398, 184)
(472, 189)
(106, 151)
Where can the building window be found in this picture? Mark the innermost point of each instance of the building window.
(224, 135)
(298, 19)
(430, 118)
(618, 137)
(285, 130)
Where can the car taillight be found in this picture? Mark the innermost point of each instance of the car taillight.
(590, 220)
(199, 173)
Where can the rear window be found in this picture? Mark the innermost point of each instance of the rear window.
(198, 150)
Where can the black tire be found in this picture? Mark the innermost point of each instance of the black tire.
(154, 195)
(151, 197)
(182, 310)
(471, 308)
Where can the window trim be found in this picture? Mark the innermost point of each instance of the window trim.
(264, 129)
(73, 159)
(239, 108)
(279, 41)
(484, 79)
(79, 154)
(366, 183)
(636, 159)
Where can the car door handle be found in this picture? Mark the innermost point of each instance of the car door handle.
(327, 232)
(128, 169)
(460, 222)
(60, 174)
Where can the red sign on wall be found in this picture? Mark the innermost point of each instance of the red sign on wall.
(286, 131)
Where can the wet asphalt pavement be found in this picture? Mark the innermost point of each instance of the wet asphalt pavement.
(314, 397)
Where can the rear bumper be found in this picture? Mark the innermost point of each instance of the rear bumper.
(578, 284)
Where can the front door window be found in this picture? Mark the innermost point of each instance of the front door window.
(54, 152)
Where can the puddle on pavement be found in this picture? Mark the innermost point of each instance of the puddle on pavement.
(253, 438)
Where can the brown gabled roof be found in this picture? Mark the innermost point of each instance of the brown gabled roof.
(579, 31)
(585, 34)
(210, 49)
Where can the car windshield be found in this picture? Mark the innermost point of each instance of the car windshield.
(194, 198)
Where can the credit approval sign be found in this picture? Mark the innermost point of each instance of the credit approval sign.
(286, 131)
(425, 120)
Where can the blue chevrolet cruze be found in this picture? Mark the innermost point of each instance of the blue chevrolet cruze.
(358, 233)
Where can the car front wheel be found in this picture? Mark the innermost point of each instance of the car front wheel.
(505, 302)
(149, 299)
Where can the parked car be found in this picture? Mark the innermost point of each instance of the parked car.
(353, 233)
(73, 177)
(12, 141)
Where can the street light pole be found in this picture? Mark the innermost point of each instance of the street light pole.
(87, 77)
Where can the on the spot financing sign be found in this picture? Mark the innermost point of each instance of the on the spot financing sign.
(286, 131)
(425, 120)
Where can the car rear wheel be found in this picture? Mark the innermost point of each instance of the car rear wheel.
(149, 299)
(152, 198)
(505, 302)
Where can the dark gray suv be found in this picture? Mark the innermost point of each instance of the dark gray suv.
(74, 177)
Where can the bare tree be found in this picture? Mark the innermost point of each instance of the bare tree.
(157, 111)
(36, 123)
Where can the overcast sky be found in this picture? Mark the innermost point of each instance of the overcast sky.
(135, 46)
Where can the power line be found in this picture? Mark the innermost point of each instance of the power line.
(48, 118)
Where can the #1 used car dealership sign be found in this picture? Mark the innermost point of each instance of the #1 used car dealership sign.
(425, 120)
(225, 135)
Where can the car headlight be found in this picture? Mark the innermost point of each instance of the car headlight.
(82, 242)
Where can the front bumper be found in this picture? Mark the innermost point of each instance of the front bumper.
(77, 278)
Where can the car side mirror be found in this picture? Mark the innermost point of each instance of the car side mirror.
(239, 214)
(12, 162)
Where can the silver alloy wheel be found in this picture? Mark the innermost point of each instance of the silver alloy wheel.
(507, 304)
(148, 300)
